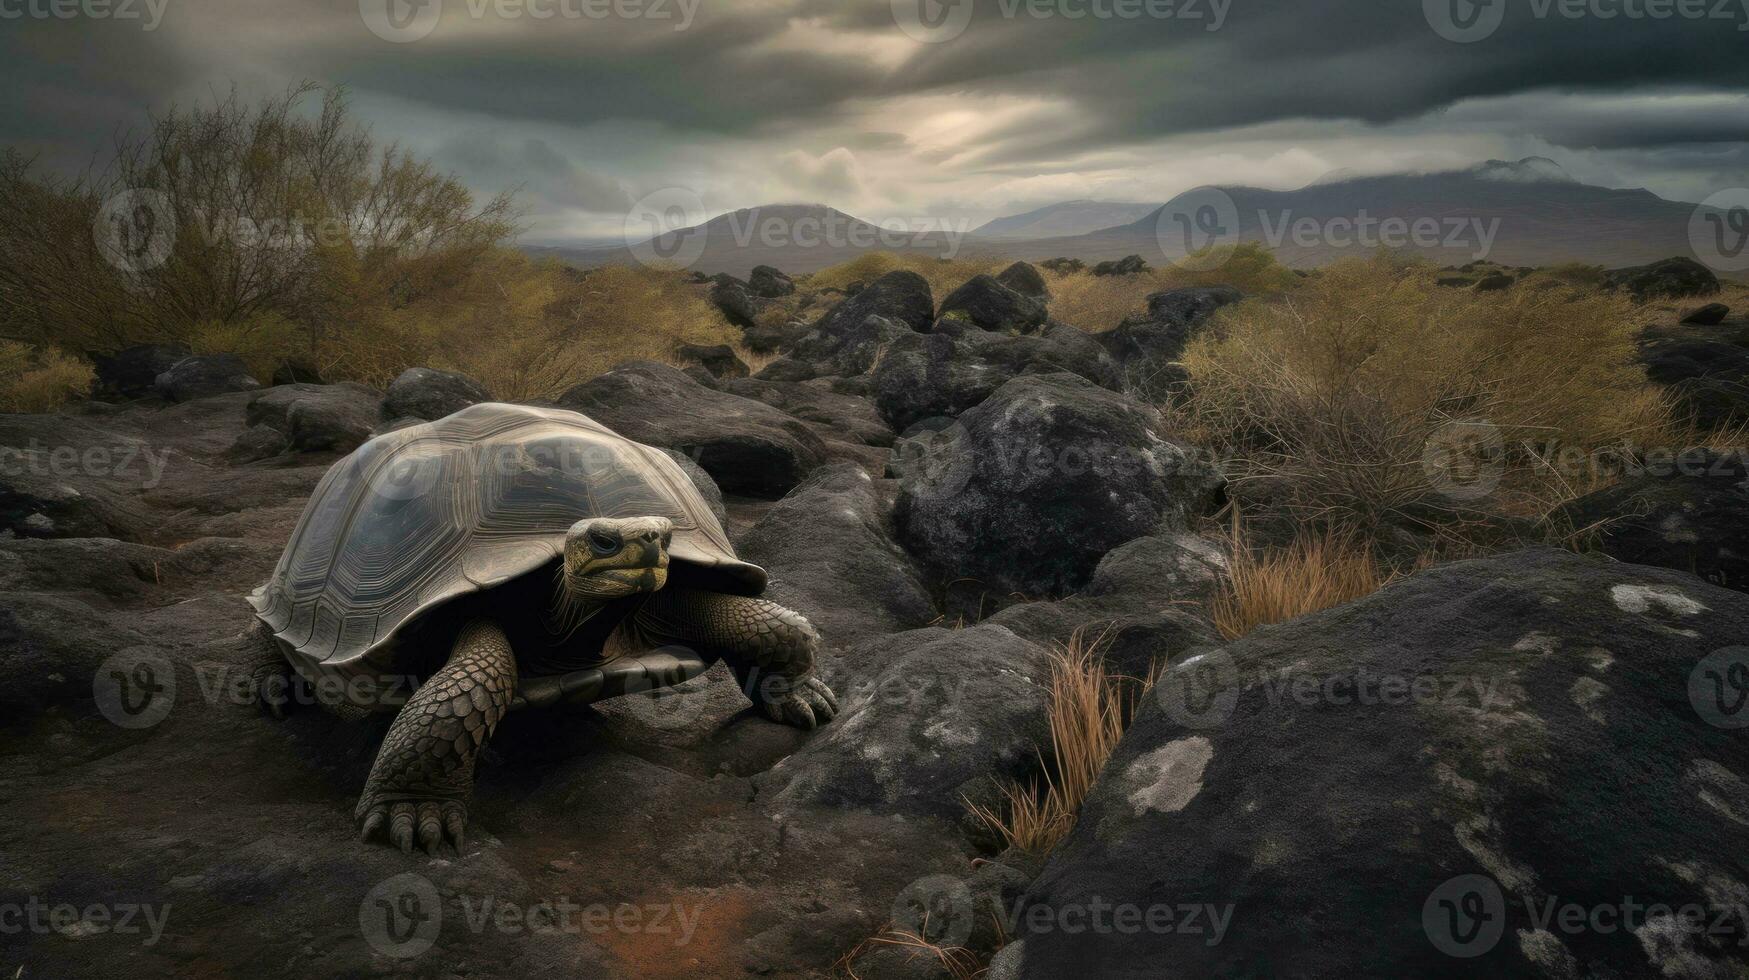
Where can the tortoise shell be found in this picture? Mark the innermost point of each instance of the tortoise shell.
(421, 516)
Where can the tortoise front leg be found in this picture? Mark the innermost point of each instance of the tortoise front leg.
(424, 772)
(770, 648)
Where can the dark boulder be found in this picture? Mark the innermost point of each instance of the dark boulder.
(928, 720)
(203, 376)
(1190, 306)
(1710, 315)
(989, 305)
(258, 442)
(1709, 379)
(837, 346)
(317, 417)
(1035, 485)
(900, 296)
(132, 372)
(788, 369)
(1129, 265)
(1675, 278)
(735, 299)
(777, 337)
(1148, 347)
(1145, 606)
(1422, 783)
(956, 367)
(1063, 266)
(1689, 512)
(718, 359)
(843, 416)
(748, 447)
(427, 393)
(1025, 280)
(829, 548)
(769, 282)
(1493, 282)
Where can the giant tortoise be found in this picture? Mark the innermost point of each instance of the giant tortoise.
(503, 557)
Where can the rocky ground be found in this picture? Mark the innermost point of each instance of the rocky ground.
(1403, 785)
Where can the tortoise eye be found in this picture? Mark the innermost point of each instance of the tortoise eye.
(603, 543)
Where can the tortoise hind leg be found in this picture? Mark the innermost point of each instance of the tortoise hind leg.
(271, 677)
(771, 648)
(424, 773)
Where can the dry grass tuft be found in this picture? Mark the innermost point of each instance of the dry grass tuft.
(1090, 709)
(1316, 571)
(959, 963)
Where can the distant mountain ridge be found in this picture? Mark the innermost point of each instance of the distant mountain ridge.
(1524, 212)
(1065, 218)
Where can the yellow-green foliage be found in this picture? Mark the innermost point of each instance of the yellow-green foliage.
(39, 380)
(1329, 394)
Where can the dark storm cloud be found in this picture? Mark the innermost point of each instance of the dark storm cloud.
(796, 73)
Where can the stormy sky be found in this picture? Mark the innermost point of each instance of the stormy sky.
(911, 109)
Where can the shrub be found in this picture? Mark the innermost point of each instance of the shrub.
(39, 380)
(1326, 401)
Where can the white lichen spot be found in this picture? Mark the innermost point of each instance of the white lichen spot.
(1542, 643)
(1588, 694)
(1675, 529)
(1639, 599)
(1542, 948)
(1169, 777)
(1599, 659)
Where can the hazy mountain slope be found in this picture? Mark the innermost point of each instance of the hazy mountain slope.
(1066, 218)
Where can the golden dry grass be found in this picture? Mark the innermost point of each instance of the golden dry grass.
(957, 961)
(1099, 303)
(1090, 708)
(944, 275)
(1316, 571)
(1325, 400)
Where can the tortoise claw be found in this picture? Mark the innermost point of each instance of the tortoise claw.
(807, 705)
(373, 821)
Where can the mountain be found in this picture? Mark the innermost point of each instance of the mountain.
(797, 238)
(1066, 218)
(1524, 212)
(1528, 212)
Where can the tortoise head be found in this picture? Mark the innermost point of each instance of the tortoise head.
(614, 557)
